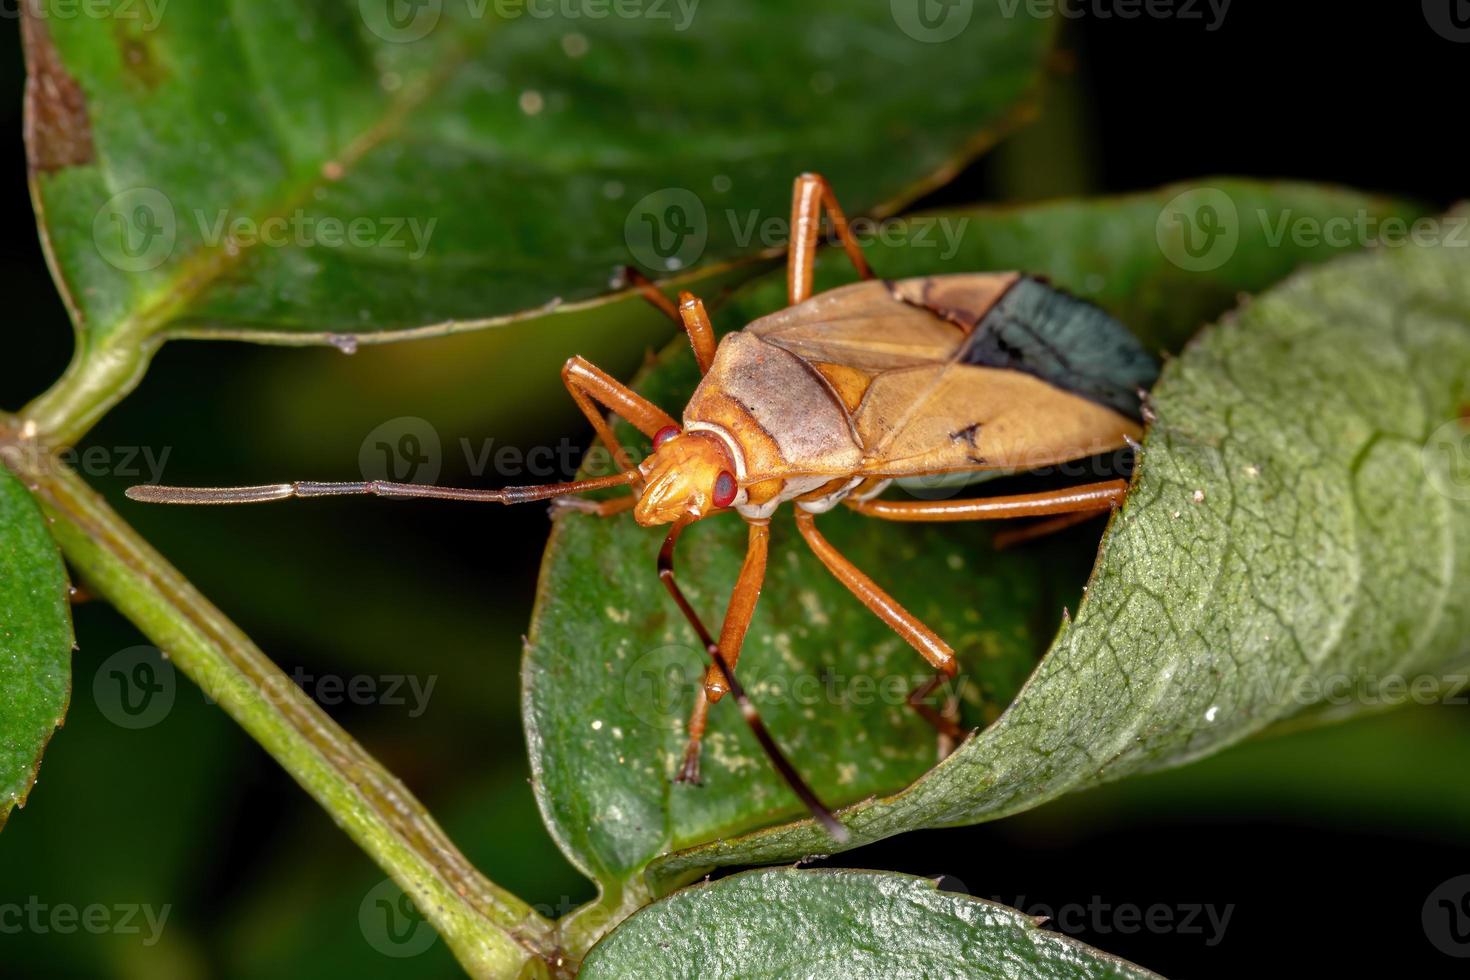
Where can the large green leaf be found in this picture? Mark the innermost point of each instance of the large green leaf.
(35, 642)
(840, 924)
(496, 156)
(1297, 541)
(610, 669)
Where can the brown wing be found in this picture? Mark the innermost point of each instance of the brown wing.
(890, 352)
(951, 417)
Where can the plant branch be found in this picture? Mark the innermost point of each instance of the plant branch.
(492, 932)
(97, 378)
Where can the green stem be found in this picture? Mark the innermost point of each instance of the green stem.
(96, 381)
(491, 932)
(97, 378)
(584, 927)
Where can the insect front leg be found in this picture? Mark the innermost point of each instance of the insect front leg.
(689, 314)
(590, 387)
(630, 276)
(900, 620)
(701, 331)
(810, 194)
(738, 615)
(610, 507)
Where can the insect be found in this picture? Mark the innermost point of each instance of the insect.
(828, 402)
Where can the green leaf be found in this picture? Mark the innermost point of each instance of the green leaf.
(840, 924)
(35, 642)
(200, 173)
(1298, 538)
(611, 669)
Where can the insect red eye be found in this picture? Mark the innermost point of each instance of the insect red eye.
(725, 489)
(664, 435)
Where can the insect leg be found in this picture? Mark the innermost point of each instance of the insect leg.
(918, 699)
(732, 637)
(1011, 537)
(630, 276)
(903, 622)
(590, 386)
(1064, 508)
(701, 332)
(747, 710)
(809, 195)
(610, 507)
(900, 620)
(689, 314)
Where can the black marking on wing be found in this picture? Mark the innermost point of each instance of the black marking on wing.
(1066, 341)
(969, 433)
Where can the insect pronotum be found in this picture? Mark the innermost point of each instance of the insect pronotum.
(827, 402)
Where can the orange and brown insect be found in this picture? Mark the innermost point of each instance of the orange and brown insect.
(827, 402)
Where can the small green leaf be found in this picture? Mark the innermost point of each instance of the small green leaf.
(840, 924)
(611, 668)
(1297, 539)
(35, 642)
(291, 171)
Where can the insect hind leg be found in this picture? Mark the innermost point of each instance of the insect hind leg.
(810, 194)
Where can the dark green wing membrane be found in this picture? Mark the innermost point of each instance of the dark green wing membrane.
(1069, 342)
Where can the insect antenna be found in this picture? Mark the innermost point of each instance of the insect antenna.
(153, 494)
(752, 718)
